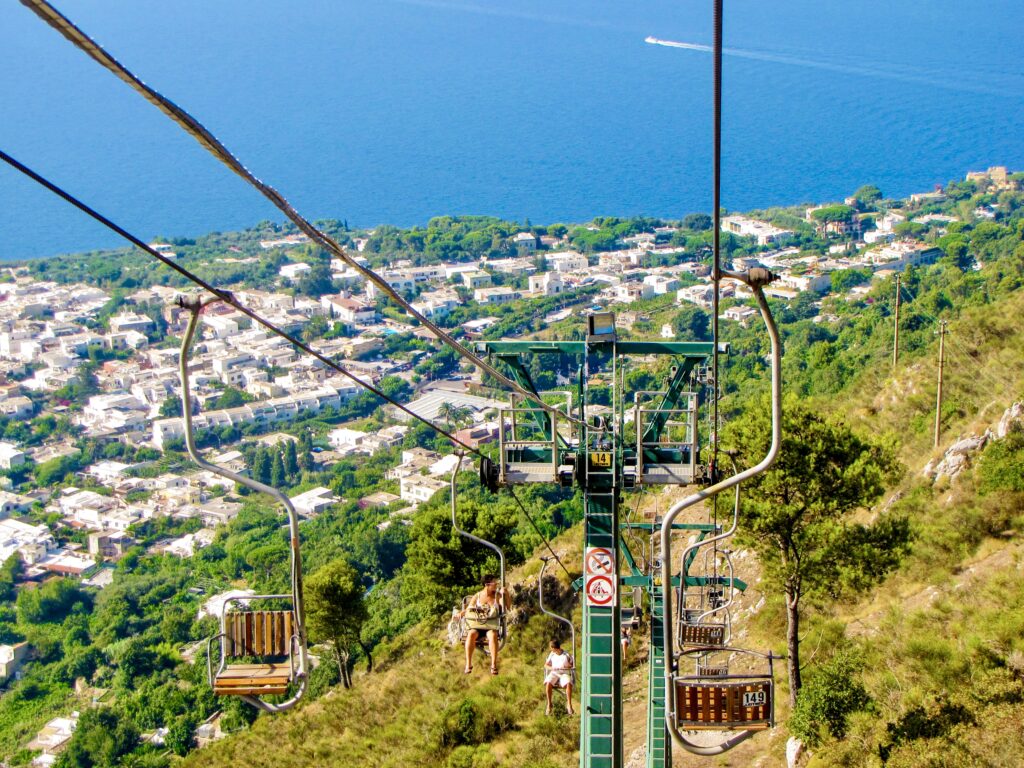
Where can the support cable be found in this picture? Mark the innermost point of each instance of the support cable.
(227, 297)
(212, 144)
(716, 271)
(544, 538)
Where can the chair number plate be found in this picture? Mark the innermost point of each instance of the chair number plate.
(754, 699)
(601, 459)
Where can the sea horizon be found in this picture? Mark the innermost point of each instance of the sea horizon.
(407, 109)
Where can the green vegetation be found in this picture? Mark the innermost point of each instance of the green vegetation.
(912, 613)
(797, 515)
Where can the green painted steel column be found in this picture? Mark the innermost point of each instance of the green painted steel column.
(601, 696)
(659, 748)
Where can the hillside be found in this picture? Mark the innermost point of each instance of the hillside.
(417, 708)
(932, 655)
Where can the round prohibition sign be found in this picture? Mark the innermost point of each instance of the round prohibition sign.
(600, 590)
(600, 561)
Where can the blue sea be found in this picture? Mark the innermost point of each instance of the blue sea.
(393, 111)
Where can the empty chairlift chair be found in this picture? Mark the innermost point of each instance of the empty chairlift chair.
(717, 700)
(269, 635)
(260, 652)
(734, 696)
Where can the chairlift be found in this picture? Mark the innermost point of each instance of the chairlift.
(260, 652)
(631, 615)
(717, 698)
(556, 617)
(459, 624)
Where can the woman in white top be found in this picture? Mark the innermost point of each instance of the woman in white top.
(559, 667)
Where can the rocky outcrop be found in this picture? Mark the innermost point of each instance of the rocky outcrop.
(1014, 415)
(959, 455)
(794, 750)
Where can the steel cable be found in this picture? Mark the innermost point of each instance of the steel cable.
(226, 296)
(212, 144)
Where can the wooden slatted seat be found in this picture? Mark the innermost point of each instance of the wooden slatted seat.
(264, 634)
(253, 680)
(702, 634)
(724, 706)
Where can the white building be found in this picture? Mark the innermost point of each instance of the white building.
(497, 295)
(476, 279)
(11, 456)
(129, 321)
(566, 261)
(702, 295)
(740, 314)
(763, 232)
(627, 293)
(662, 284)
(346, 440)
(293, 271)
(416, 489)
(312, 502)
(348, 311)
(548, 284)
(275, 410)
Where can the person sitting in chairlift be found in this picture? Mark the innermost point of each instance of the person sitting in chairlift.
(559, 666)
(483, 617)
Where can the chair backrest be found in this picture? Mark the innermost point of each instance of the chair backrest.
(702, 634)
(746, 705)
(258, 633)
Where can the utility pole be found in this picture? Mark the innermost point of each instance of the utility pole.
(896, 326)
(938, 396)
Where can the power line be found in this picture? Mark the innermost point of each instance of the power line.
(542, 536)
(226, 296)
(992, 378)
(212, 144)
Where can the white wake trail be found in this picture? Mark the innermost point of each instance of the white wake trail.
(846, 69)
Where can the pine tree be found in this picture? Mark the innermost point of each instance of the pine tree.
(261, 465)
(291, 460)
(277, 473)
(305, 457)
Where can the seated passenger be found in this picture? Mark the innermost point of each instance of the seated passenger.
(559, 666)
(483, 617)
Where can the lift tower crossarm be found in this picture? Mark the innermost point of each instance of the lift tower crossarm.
(693, 349)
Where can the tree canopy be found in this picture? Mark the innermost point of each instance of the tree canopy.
(798, 514)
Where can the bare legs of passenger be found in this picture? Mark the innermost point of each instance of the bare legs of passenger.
(549, 688)
(471, 637)
(492, 643)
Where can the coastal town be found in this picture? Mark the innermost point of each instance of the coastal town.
(75, 373)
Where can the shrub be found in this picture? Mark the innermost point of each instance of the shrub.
(830, 694)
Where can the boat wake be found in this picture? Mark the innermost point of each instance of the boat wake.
(902, 74)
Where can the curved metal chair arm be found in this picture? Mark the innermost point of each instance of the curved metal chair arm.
(210, 676)
(552, 614)
(503, 631)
